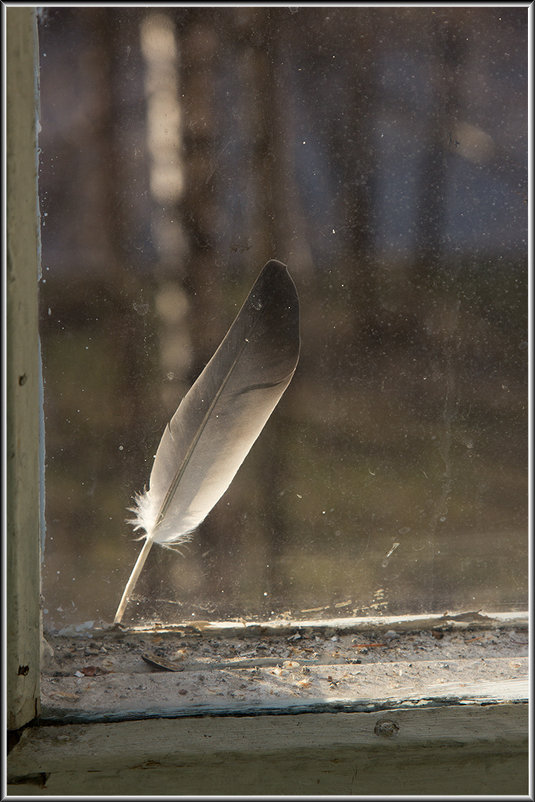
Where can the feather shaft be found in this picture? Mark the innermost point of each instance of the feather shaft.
(174, 484)
(134, 576)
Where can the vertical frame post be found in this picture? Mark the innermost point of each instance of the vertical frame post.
(23, 440)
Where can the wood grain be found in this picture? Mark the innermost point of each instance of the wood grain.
(23, 371)
(448, 750)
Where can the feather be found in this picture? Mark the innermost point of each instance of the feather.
(220, 417)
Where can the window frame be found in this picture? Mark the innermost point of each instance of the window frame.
(471, 725)
(23, 380)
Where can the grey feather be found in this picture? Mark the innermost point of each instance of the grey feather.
(221, 416)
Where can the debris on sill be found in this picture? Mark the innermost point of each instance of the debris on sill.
(116, 673)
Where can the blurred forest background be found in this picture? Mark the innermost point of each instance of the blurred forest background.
(381, 153)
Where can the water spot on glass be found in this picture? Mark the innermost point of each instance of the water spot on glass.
(141, 308)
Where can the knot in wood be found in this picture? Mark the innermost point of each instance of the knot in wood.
(386, 728)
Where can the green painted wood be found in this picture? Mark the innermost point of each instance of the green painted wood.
(457, 750)
(23, 578)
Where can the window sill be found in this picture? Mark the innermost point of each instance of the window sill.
(447, 750)
(352, 665)
(435, 705)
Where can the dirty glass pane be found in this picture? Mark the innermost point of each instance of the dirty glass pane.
(381, 154)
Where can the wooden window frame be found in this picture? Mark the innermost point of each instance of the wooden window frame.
(478, 747)
(23, 422)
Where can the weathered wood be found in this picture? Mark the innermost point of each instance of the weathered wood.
(450, 750)
(110, 675)
(324, 687)
(379, 623)
(23, 370)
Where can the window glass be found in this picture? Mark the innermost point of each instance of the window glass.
(381, 154)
